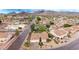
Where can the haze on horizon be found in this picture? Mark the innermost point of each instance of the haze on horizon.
(6, 11)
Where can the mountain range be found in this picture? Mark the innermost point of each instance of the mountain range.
(6, 11)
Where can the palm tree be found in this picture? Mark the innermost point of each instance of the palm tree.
(40, 43)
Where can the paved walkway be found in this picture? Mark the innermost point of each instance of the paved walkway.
(18, 42)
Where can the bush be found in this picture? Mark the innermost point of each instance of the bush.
(17, 32)
(48, 40)
(27, 44)
(19, 27)
(51, 23)
(47, 25)
(50, 35)
(67, 25)
(30, 18)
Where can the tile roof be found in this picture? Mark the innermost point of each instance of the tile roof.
(59, 32)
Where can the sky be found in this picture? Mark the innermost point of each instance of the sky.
(51, 4)
(8, 6)
(6, 11)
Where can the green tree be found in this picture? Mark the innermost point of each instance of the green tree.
(38, 28)
(38, 18)
(33, 27)
(40, 43)
(17, 32)
(42, 28)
